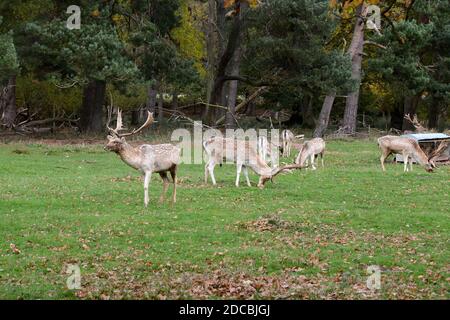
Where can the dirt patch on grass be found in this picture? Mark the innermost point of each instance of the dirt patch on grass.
(266, 223)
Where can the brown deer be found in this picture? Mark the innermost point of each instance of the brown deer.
(159, 158)
(244, 154)
(408, 147)
(309, 151)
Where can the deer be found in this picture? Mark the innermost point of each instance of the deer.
(408, 147)
(310, 150)
(244, 154)
(146, 158)
(265, 150)
(287, 138)
(416, 123)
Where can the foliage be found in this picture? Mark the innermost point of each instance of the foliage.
(401, 62)
(92, 53)
(289, 36)
(8, 57)
(188, 35)
(45, 98)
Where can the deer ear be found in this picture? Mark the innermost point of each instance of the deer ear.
(109, 137)
(122, 139)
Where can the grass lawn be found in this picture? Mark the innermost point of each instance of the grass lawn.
(309, 235)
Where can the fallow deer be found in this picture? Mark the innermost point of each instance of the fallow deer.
(266, 150)
(287, 137)
(244, 154)
(309, 151)
(408, 147)
(159, 158)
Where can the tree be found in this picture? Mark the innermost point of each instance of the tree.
(286, 52)
(154, 38)
(401, 66)
(8, 69)
(91, 57)
(227, 44)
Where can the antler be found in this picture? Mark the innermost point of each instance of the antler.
(415, 122)
(286, 168)
(147, 123)
(119, 122)
(438, 151)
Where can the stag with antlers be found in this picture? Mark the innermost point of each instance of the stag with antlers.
(160, 158)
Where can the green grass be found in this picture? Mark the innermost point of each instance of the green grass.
(309, 235)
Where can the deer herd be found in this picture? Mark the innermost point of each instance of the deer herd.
(165, 158)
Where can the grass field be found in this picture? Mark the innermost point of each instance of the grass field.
(309, 235)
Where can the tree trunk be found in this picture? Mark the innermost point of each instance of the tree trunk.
(409, 107)
(211, 42)
(355, 51)
(160, 107)
(226, 57)
(433, 114)
(175, 100)
(307, 112)
(8, 103)
(233, 90)
(397, 117)
(151, 98)
(91, 118)
(324, 116)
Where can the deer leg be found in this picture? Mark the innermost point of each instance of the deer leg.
(173, 173)
(321, 158)
(411, 164)
(206, 172)
(405, 163)
(211, 165)
(246, 176)
(147, 178)
(165, 180)
(238, 173)
(312, 162)
(382, 159)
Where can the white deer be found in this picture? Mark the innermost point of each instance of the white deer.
(309, 151)
(287, 137)
(244, 154)
(159, 158)
(266, 150)
(408, 147)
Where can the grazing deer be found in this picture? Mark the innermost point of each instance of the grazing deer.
(244, 155)
(408, 147)
(310, 150)
(160, 158)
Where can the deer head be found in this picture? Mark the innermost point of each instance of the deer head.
(116, 140)
(415, 122)
(433, 155)
(276, 171)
